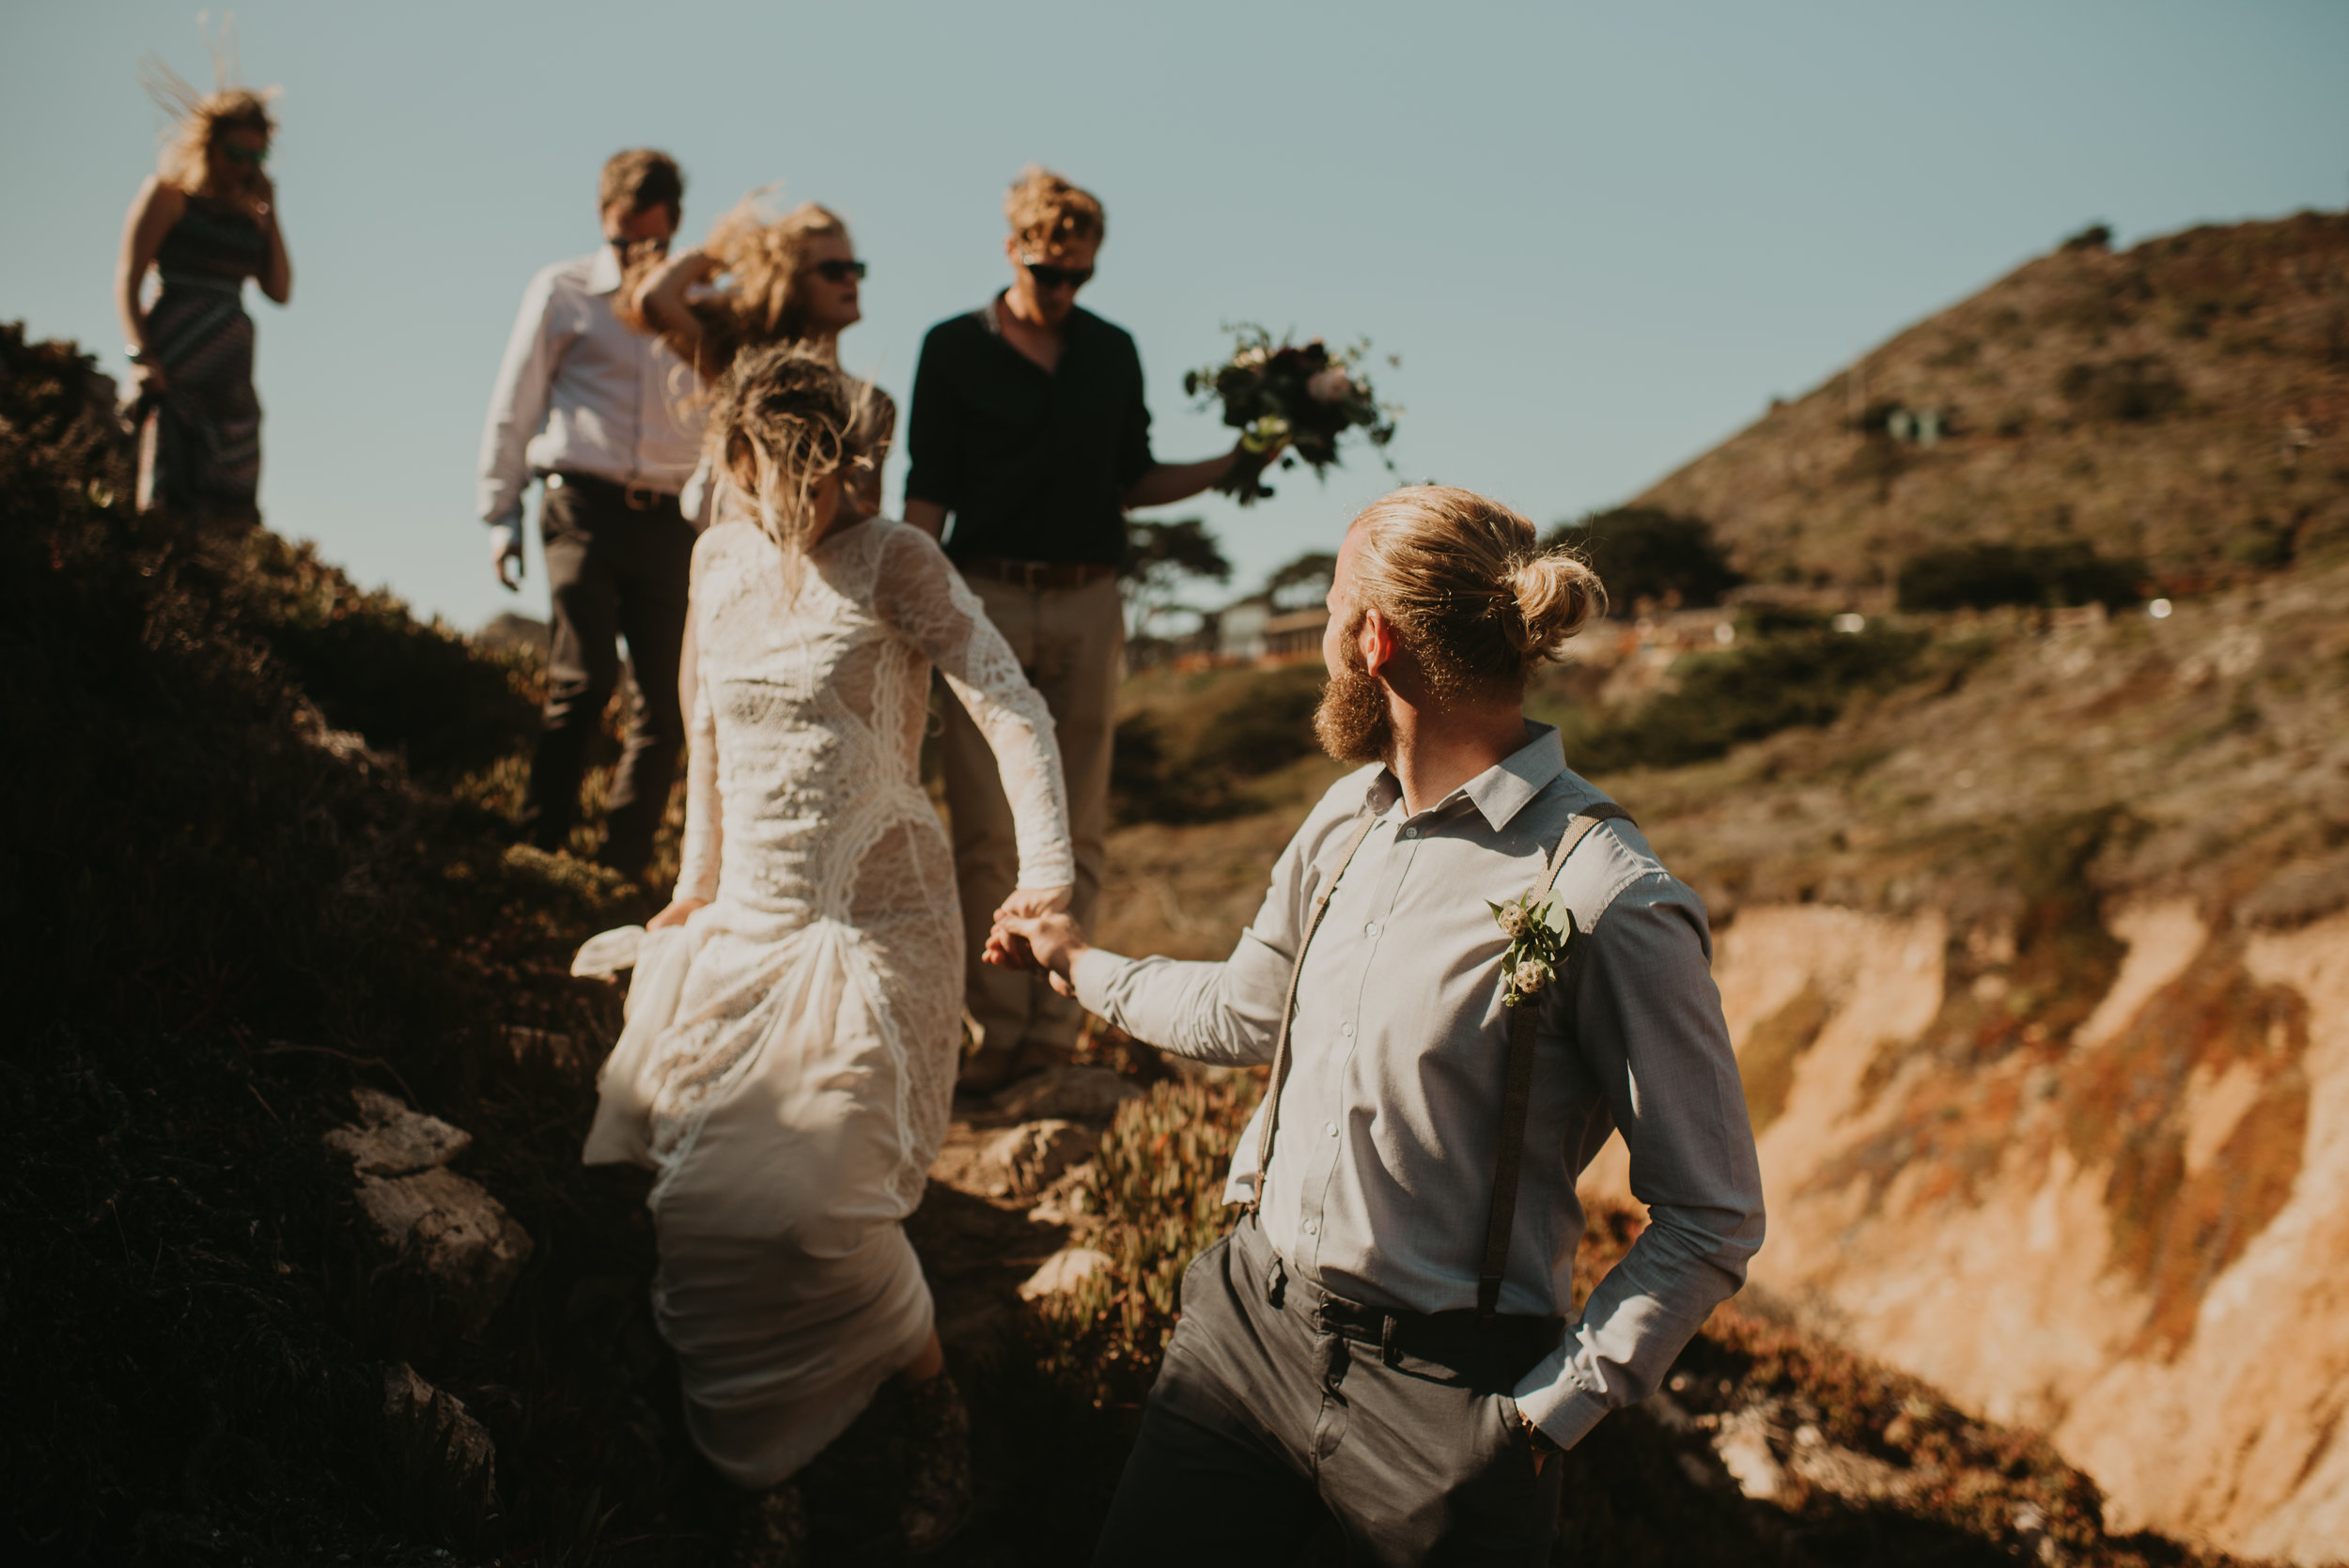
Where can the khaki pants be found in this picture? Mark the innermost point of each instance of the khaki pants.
(1070, 642)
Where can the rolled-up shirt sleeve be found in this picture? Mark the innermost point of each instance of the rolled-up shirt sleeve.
(517, 406)
(1649, 1027)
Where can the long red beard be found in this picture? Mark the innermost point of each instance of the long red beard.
(1352, 722)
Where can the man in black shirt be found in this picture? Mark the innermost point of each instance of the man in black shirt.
(1029, 428)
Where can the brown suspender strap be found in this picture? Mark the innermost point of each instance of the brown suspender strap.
(1289, 1010)
(1518, 1098)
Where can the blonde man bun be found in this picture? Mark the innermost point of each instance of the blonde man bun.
(1557, 592)
(1463, 582)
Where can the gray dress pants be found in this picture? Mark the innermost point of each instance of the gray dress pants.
(1280, 1409)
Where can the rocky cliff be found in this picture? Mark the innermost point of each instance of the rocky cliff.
(2038, 972)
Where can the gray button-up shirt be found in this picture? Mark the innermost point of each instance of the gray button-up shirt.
(578, 391)
(1382, 1170)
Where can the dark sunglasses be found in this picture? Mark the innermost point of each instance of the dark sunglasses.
(255, 156)
(1049, 276)
(839, 271)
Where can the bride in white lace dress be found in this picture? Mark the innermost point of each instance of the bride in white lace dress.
(789, 1060)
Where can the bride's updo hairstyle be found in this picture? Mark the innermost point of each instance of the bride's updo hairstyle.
(781, 421)
(1463, 580)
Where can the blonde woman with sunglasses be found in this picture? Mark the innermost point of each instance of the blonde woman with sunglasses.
(205, 221)
(761, 280)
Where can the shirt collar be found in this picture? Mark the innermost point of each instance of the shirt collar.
(1501, 791)
(603, 271)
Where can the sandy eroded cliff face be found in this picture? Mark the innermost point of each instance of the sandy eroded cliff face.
(2104, 1193)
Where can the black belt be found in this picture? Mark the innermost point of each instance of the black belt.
(1453, 1338)
(636, 498)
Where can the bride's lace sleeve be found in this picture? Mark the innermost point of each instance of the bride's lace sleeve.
(919, 594)
(697, 855)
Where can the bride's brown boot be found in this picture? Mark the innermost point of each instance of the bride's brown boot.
(774, 1530)
(938, 1463)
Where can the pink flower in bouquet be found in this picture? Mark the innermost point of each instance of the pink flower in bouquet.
(1332, 385)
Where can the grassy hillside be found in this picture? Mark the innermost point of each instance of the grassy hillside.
(2185, 402)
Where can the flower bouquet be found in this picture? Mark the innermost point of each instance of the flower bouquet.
(1289, 401)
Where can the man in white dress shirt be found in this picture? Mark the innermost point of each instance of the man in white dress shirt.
(1388, 1338)
(594, 409)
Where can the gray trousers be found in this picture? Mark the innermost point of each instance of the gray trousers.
(1280, 1409)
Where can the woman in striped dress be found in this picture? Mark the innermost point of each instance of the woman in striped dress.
(206, 221)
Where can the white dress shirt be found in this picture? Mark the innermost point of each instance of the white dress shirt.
(1382, 1172)
(580, 393)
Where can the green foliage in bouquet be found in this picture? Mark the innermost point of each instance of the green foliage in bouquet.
(1291, 400)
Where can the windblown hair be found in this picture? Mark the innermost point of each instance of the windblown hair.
(781, 421)
(642, 177)
(1462, 579)
(764, 258)
(200, 119)
(1047, 212)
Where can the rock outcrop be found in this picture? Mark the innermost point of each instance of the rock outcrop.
(441, 1230)
(2126, 1235)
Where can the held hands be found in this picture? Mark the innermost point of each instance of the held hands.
(1048, 942)
(678, 913)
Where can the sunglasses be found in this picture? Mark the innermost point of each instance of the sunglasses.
(839, 271)
(253, 156)
(1049, 276)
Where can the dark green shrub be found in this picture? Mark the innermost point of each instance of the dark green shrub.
(1802, 674)
(1194, 763)
(1980, 575)
(1646, 553)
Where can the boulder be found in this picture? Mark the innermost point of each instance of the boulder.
(442, 1464)
(451, 1234)
(444, 1231)
(1062, 1272)
(391, 1139)
(1031, 1156)
(1070, 1093)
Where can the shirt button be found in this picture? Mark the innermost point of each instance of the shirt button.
(1371, 930)
(1410, 832)
(1346, 1030)
(1313, 1227)
(1330, 1127)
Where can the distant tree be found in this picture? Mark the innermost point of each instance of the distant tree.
(1311, 572)
(1646, 553)
(2095, 237)
(1160, 558)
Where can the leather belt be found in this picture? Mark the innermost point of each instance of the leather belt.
(1032, 575)
(636, 498)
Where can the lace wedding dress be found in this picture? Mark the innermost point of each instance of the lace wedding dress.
(790, 1055)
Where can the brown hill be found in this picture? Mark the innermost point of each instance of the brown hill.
(2185, 402)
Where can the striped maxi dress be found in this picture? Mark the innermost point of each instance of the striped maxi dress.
(200, 438)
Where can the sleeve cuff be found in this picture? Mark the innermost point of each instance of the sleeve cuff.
(1094, 972)
(507, 532)
(1564, 1411)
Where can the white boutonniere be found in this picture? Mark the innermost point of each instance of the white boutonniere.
(1539, 932)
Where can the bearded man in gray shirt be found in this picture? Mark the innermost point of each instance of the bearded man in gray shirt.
(1387, 1336)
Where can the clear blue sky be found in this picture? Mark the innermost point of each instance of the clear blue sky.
(1601, 237)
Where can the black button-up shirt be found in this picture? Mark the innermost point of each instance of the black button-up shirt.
(1033, 464)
